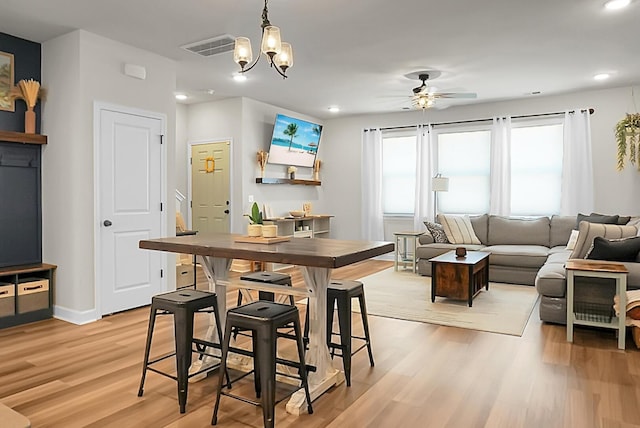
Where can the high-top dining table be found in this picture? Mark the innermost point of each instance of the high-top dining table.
(316, 257)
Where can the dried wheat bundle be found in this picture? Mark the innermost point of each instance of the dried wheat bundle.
(316, 165)
(29, 89)
(262, 158)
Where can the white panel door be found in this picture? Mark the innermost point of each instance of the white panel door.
(130, 196)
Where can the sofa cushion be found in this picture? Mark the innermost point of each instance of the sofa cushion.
(573, 239)
(437, 231)
(588, 231)
(433, 250)
(596, 218)
(532, 256)
(480, 225)
(518, 231)
(551, 278)
(458, 229)
(617, 250)
(561, 227)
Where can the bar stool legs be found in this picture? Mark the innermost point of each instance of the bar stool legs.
(263, 319)
(183, 304)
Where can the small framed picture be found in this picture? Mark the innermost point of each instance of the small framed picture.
(6, 81)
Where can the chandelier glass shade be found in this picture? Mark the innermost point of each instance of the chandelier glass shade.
(279, 53)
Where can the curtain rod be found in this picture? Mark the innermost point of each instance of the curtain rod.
(590, 110)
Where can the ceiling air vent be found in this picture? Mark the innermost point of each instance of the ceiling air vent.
(210, 47)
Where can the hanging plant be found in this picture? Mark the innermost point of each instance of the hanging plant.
(628, 136)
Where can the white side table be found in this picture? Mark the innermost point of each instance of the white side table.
(405, 257)
(596, 269)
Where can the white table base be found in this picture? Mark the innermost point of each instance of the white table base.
(317, 280)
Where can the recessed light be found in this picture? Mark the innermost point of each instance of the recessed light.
(601, 76)
(181, 97)
(334, 109)
(617, 4)
(210, 91)
(239, 77)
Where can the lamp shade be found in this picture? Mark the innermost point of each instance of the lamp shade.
(284, 59)
(242, 51)
(271, 42)
(440, 184)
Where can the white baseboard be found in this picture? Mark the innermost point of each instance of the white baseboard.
(75, 317)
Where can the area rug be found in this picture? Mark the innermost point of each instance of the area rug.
(504, 309)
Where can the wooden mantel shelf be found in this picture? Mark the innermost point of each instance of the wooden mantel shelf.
(288, 181)
(21, 137)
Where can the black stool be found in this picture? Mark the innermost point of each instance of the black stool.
(183, 304)
(267, 278)
(264, 318)
(343, 291)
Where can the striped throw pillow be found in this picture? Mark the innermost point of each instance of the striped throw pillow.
(458, 229)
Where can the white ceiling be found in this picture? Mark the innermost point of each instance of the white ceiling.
(354, 54)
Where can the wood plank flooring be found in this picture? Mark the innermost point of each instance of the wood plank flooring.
(62, 375)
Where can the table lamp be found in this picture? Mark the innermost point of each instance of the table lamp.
(438, 184)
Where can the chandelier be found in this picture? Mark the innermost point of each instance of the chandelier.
(280, 53)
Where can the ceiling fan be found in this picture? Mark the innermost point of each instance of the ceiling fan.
(425, 96)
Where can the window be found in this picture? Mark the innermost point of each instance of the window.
(464, 157)
(398, 174)
(536, 169)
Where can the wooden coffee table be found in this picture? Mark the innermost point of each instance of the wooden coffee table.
(459, 277)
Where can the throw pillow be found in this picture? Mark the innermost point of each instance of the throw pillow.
(572, 240)
(588, 231)
(437, 232)
(616, 250)
(458, 229)
(596, 218)
(622, 220)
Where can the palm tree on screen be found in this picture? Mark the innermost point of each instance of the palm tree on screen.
(291, 131)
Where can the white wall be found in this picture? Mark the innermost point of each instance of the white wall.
(79, 69)
(615, 192)
(248, 124)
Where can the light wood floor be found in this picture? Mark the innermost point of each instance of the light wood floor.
(62, 375)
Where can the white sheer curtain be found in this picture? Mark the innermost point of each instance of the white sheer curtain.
(500, 180)
(577, 164)
(425, 169)
(372, 213)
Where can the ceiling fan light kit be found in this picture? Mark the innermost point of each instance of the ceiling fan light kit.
(280, 53)
(425, 97)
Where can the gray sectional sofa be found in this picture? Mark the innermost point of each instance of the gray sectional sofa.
(529, 252)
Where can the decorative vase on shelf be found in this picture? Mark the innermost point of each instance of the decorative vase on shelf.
(30, 121)
(316, 176)
(292, 175)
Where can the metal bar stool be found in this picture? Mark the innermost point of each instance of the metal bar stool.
(343, 291)
(263, 319)
(183, 304)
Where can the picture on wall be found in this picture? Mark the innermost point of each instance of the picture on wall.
(6, 81)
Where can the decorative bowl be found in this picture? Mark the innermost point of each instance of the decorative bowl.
(297, 213)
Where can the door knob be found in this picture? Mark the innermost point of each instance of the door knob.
(226, 211)
(107, 223)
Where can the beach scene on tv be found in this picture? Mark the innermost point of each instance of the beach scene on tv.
(294, 142)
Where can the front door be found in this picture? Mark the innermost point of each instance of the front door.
(130, 185)
(210, 187)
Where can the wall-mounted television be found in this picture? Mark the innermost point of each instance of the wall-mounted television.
(294, 141)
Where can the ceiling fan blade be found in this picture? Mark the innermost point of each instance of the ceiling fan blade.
(455, 95)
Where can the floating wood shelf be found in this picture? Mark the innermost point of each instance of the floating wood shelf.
(288, 181)
(21, 137)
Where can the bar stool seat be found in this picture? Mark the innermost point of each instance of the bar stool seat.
(263, 319)
(183, 304)
(342, 291)
(267, 278)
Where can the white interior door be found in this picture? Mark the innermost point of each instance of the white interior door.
(130, 186)
(210, 203)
